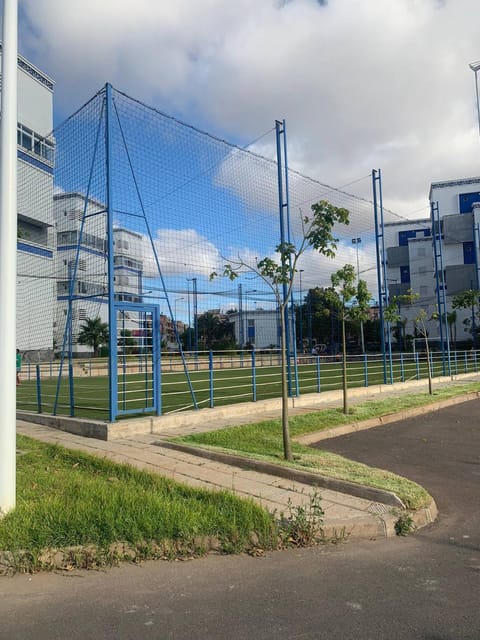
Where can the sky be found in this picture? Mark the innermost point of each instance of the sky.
(362, 84)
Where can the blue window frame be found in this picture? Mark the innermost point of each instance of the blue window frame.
(466, 201)
(468, 253)
(405, 275)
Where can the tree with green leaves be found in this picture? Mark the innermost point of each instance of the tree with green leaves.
(350, 301)
(215, 331)
(468, 299)
(391, 314)
(279, 275)
(93, 333)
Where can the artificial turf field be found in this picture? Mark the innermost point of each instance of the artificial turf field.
(212, 388)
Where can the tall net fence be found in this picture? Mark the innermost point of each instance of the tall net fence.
(142, 210)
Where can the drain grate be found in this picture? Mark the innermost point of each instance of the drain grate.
(378, 508)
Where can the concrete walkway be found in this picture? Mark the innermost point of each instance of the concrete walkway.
(364, 515)
(352, 511)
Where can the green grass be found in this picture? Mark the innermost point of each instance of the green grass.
(230, 385)
(66, 499)
(264, 440)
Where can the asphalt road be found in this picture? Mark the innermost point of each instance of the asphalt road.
(423, 587)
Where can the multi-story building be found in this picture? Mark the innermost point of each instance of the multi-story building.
(89, 271)
(414, 261)
(36, 236)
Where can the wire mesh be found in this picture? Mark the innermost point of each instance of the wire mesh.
(181, 203)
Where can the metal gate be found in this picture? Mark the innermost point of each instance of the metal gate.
(135, 383)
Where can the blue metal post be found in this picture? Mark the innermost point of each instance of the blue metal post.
(375, 178)
(417, 365)
(241, 327)
(210, 376)
(402, 368)
(195, 318)
(440, 285)
(318, 375)
(157, 361)
(112, 318)
(254, 377)
(384, 271)
(39, 391)
(283, 208)
(365, 369)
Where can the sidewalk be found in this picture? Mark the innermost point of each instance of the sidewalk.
(368, 514)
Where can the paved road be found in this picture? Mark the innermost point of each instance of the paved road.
(424, 587)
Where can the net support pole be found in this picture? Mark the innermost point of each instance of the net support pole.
(112, 317)
(8, 257)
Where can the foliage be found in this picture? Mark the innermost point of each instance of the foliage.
(302, 525)
(128, 343)
(279, 275)
(215, 331)
(468, 300)
(349, 301)
(404, 525)
(93, 333)
(68, 498)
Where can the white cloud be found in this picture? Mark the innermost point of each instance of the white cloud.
(200, 255)
(361, 84)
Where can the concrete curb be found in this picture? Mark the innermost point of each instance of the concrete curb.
(296, 475)
(372, 526)
(353, 427)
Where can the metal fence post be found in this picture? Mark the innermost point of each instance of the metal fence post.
(254, 377)
(39, 391)
(210, 370)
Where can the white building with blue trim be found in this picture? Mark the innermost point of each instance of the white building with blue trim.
(450, 265)
(36, 234)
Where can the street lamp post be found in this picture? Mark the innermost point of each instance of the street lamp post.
(475, 67)
(175, 308)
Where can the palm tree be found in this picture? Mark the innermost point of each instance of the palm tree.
(93, 333)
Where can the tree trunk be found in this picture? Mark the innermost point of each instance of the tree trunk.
(344, 368)
(287, 446)
(429, 368)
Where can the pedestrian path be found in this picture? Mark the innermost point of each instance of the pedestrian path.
(345, 515)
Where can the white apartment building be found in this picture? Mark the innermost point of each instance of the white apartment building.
(411, 257)
(89, 298)
(36, 236)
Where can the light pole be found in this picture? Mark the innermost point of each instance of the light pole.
(356, 242)
(475, 67)
(175, 308)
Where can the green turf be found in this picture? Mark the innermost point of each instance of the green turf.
(230, 385)
(67, 498)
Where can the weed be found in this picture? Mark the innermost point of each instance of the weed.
(404, 525)
(302, 525)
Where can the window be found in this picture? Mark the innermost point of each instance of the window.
(82, 314)
(468, 253)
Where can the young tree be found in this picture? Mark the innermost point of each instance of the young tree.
(351, 302)
(93, 333)
(279, 274)
(467, 300)
(391, 314)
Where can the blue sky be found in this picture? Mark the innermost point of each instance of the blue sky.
(362, 84)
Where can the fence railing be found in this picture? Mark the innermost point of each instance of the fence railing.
(216, 379)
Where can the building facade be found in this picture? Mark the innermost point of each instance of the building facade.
(449, 266)
(36, 234)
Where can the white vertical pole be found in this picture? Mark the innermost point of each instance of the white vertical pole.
(8, 256)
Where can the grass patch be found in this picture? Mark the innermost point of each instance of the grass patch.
(263, 440)
(67, 499)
